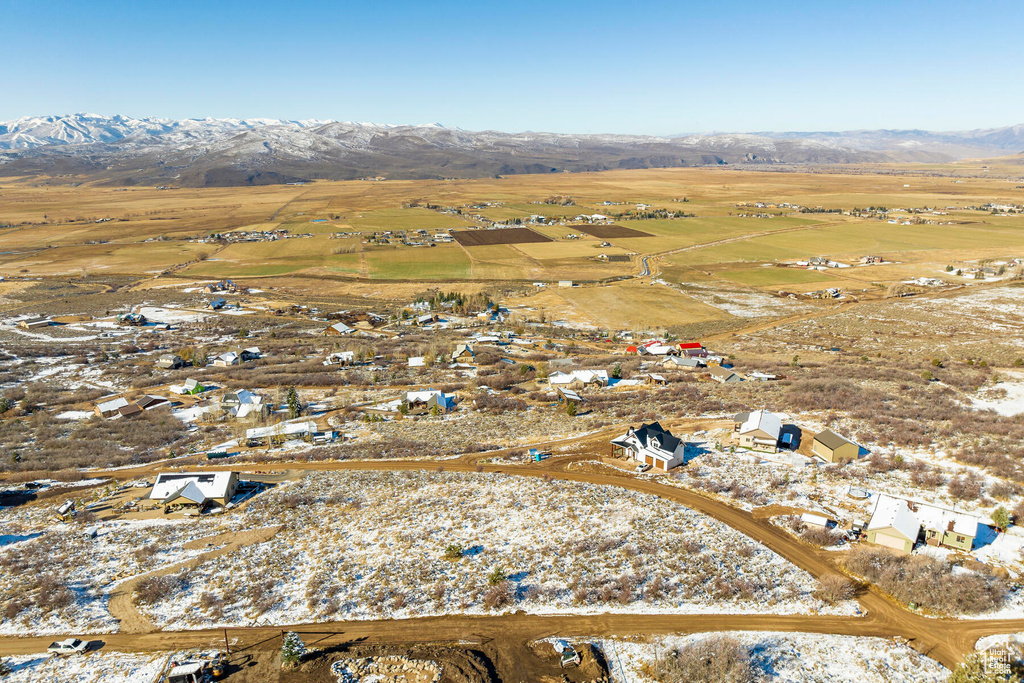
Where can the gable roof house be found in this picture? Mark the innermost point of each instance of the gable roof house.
(652, 445)
(899, 524)
(243, 403)
(578, 379)
(420, 402)
(130, 410)
(341, 358)
(281, 432)
(170, 361)
(759, 430)
(831, 447)
(149, 402)
(218, 303)
(251, 353)
(463, 352)
(723, 375)
(339, 329)
(194, 488)
(893, 525)
(226, 359)
(111, 407)
(192, 387)
(568, 396)
(681, 363)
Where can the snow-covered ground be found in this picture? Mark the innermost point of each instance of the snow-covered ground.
(83, 569)
(791, 658)
(744, 304)
(163, 314)
(108, 667)
(1006, 397)
(379, 551)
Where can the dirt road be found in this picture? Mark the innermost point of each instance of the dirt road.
(946, 640)
(121, 604)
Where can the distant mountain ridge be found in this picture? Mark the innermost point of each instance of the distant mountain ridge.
(202, 152)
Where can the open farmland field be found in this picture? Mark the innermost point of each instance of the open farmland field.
(608, 231)
(403, 219)
(636, 306)
(52, 229)
(503, 262)
(443, 262)
(477, 238)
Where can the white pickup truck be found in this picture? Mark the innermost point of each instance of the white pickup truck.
(68, 646)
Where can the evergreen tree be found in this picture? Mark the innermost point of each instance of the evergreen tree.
(1001, 518)
(292, 650)
(294, 407)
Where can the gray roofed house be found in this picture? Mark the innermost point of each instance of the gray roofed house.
(723, 375)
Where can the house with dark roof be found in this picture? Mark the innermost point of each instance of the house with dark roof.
(831, 447)
(650, 444)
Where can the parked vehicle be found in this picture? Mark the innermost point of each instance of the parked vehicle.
(68, 646)
(643, 467)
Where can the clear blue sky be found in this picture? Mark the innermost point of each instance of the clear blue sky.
(647, 67)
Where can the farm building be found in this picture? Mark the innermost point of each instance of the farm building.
(194, 488)
(218, 303)
(831, 447)
(759, 430)
(652, 445)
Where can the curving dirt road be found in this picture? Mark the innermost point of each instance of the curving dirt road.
(945, 640)
(121, 604)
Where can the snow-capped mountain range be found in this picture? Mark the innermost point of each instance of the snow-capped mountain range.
(196, 152)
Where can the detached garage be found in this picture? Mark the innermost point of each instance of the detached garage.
(831, 447)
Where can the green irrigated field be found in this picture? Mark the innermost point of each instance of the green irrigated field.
(763, 277)
(280, 257)
(444, 262)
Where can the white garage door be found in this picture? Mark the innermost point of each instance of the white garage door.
(890, 541)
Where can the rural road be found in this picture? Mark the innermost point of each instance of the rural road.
(945, 640)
